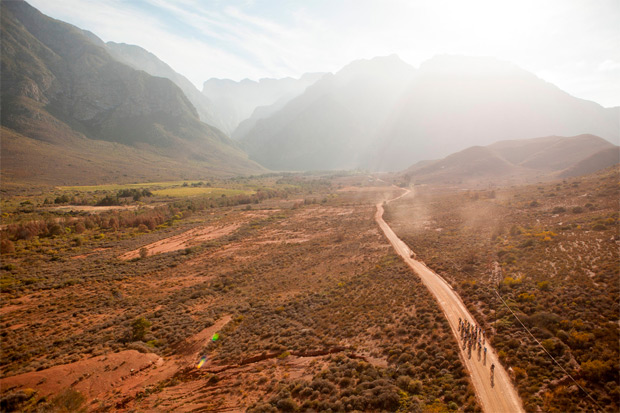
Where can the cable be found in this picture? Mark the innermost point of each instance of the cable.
(545, 350)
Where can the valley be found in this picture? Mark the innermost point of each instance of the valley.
(310, 275)
(264, 208)
(313, 308)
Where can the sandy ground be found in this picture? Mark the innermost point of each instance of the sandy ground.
(182, 241)
(115, 376)
(497, 398)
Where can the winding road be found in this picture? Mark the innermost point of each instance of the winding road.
(497, 397)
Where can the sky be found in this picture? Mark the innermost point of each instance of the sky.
(574, 44)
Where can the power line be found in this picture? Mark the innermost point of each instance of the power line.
(545, 350)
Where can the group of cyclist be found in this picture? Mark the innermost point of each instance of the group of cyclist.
(474, 339)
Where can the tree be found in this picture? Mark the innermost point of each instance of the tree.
(140, 327)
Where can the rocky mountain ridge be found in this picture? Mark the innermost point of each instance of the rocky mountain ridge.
(60, 85)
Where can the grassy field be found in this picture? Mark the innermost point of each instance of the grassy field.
(182, 191)
(119, 187)
(41, 203)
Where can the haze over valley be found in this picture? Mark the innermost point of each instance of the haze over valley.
(392, 224)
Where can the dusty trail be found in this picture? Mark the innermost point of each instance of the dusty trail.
(500, 397)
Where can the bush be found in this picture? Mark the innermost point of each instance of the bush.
(262, 407)
(79, 228)
(287, 405)
(108, 201)
(61, 199)
(7, 246)
(139, 328)
(55, 229)
(596, 370)
(70, 401)
(554, 346)
(13, 402)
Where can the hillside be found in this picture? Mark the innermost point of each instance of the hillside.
(235, 102)
(518, 161)
(140, 59)
(456, 102)
(61, 87)
(595, 162)
(333, 121)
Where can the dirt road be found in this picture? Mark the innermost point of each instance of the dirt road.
(498, 397)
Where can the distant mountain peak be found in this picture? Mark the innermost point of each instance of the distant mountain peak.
(236, 101)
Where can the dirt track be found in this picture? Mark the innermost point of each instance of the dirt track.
(502, 396)
(181, 241)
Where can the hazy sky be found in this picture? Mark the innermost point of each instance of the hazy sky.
(574, 44)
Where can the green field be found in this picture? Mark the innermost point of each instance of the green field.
(188, 191)
(118, 187)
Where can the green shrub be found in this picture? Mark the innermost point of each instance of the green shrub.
(139, 328)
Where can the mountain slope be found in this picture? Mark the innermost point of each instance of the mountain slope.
(59, 85)
(600, 160)
(332, 122)
(519, 160)
(236, 101)
(140, 59)
(456, 102)
(550, 153)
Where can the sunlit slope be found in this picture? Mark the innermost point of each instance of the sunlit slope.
(332, 123)
(456, 102)
(519, 161)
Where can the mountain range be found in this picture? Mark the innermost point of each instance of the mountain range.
(237, 101)
(78, 110)
(64, 94)
(333, 121)
(517, 161)
(384, 115)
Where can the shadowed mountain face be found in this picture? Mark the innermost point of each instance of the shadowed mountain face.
(140, 59)
(235, 102)
(519, 160)
(60, 86)
(333, 121)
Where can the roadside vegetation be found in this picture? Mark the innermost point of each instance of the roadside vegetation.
(551, 252)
